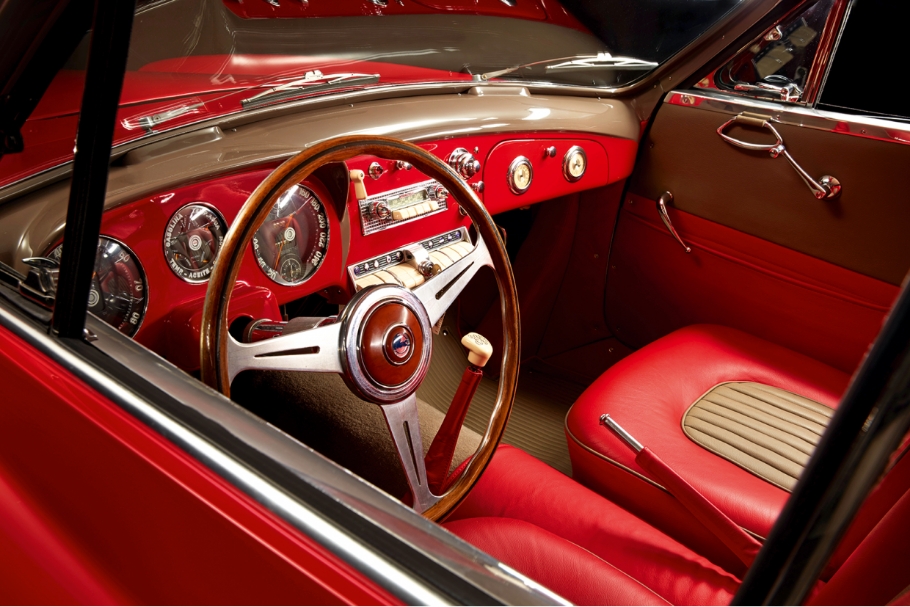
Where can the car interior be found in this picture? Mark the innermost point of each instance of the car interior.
(597, 342)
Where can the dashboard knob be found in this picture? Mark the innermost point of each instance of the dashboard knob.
(381, 209)
(464, 162)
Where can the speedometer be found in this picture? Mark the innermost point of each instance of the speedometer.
(192, 239)
(291, 244)
(118, 291)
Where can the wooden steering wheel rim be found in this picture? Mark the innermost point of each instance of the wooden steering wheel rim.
(214, 329)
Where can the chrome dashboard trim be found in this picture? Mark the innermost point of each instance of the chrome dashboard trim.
(880, 129)
(348, 491)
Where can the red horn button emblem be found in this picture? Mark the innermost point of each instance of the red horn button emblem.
(391, 344)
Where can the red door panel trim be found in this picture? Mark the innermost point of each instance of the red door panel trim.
(93, 426)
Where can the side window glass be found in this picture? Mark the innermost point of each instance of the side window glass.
(783, 64)
(866, 71)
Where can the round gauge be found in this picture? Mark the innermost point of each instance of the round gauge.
(520, 175)
(292, 242)
(118, 292)
(574, 163)
(192, 240)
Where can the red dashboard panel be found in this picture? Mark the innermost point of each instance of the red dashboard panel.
(171, 323)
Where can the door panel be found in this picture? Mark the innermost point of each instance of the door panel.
(767, 257)
(110, 511)
(737, 280)
(864, 229)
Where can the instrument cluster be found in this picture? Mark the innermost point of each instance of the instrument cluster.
(393, 221)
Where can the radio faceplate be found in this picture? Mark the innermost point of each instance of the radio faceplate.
(402, 205)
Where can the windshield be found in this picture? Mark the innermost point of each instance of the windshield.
(191, 60)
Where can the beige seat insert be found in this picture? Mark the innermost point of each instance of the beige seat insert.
(767, 431)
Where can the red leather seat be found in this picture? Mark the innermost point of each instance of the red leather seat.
(561, 534)
(554, 562)
(518, 486)
(649, 392)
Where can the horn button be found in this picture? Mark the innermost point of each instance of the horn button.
(387, 346)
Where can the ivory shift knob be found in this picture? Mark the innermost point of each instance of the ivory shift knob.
(479, 348)
(360, 190)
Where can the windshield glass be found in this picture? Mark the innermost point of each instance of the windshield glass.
(191, 60)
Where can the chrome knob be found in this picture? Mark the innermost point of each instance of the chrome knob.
(441, 193)
(381, 209)
(464, 162)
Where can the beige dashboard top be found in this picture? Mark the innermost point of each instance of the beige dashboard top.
(31, 223)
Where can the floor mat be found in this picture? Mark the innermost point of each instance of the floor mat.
(537, 419)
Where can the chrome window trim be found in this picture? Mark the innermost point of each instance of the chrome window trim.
(832, 53)
(821, 61)
(433, 542)
(879, 129)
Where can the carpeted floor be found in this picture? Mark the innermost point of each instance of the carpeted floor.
(537, 419)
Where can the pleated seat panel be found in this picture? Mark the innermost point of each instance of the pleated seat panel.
(767, 431)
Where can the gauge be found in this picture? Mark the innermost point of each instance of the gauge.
(118, 291)
(292, 242)
(574, 163)
(520, 175)
(192, 240)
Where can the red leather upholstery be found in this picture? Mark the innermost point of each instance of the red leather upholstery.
(878, 571)
(518, 486)
(558, 564)
(649, 391)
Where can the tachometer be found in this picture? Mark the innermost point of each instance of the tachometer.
(292, 242)
(192, 239)
(118, 292)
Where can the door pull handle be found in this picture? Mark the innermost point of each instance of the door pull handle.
(826, 188)
(665, 198)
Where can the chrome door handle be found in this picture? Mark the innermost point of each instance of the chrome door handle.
(662, 210)
(826, 188)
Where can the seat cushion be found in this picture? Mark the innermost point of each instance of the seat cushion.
(767, 431)
(563, 567)
(518, 486)
(649, 392)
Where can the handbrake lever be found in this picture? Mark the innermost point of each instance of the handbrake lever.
(743, 545)
(439, 457)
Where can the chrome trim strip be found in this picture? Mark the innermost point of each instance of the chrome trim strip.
(832, 52)
(879, 129)
(349, 491)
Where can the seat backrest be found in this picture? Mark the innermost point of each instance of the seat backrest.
(877, 571)
(894, 484)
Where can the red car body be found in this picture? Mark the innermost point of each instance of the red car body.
(150, 488)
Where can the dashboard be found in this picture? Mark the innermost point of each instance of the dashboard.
(386, 223)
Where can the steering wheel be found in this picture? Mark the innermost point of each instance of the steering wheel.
(361, 345)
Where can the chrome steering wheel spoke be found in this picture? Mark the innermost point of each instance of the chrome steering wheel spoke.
(404, 426)
(314, 350)
(440, 292)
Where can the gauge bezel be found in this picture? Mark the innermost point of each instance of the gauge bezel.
(144, 274)
(328, 241)
(565, 163)
(224, 224)
(520, 160)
